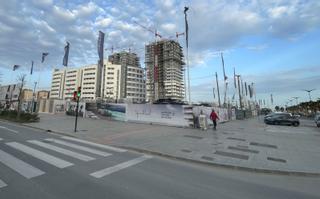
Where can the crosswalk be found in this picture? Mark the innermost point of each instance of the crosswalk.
(65, 146)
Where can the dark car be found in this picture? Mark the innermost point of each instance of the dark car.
(282, 119)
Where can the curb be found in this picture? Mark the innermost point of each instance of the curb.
(240, 168)
(38, 128)
(49, 130)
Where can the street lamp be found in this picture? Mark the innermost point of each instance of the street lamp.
(309, 91)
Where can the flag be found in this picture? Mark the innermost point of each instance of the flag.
(44, 56)
(15, 67)
(234, 78)
(100, 47)
(224, 72)
(245, 85)
(66, 54)
(250, 91)
(186, 25)
(31, 71)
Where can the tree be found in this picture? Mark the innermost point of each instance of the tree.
(277, 108)
(22, 81)
(282, 109)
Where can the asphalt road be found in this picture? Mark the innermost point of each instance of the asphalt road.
(40, 165)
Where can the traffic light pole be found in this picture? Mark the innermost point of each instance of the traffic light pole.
(77, 110)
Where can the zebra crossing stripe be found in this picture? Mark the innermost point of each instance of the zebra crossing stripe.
(118, 167)
(2, 184)
(40, 155)
(19, 166)
(111, 148)
(83, 148)
(63, 151)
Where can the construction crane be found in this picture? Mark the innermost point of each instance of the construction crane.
(112, 48)
(156, 34)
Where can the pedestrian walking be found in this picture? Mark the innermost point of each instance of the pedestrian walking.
(214, 117)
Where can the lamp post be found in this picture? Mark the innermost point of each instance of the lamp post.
(309, 92)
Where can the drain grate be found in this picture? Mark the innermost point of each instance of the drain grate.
(243, 149)
(276, 159)
(232, 155)
(263, 145)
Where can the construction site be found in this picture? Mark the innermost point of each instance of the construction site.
(165, 68)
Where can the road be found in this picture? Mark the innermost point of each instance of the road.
(40, 165)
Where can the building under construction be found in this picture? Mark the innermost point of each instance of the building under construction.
(132, 79)
(164, 64)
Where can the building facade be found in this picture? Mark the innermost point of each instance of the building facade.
(130, 77)
(165, 66)
(43, 94)
(89, 82)
(57, 83)
(120, 79)
(9, 95)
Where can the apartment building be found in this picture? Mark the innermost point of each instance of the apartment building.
(113, 82)
(57, 83)
(130, 76)
(9, 93)
(136, 90)
(165, 65)
(89, 82)
(120, 79)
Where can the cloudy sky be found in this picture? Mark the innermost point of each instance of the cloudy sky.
(273, 43)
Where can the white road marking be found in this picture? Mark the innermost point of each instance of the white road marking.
(118, 167)
(2, 184)
(19, 166)
(3, 127)
(40, 155)
(63, 151)
(95, 144)
(83, 148)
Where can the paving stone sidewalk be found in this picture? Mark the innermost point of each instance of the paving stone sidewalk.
(248, 143)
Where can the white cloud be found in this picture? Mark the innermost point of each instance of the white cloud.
(105, 22)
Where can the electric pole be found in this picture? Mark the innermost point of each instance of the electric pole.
(218, 90)
(240, 99)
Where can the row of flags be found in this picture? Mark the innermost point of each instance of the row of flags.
(66, 54)
(43, 57)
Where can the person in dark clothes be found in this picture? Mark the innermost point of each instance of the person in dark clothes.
(214, 117)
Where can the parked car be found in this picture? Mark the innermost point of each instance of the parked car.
(317, 120)
(276, 113)
(282, 119)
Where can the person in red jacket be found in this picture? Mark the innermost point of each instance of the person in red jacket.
(214, 117)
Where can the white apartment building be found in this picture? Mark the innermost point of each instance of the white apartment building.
(122, 80)
(90, 82)
(72, 82)
(57, 84)
(112, 81)
(135, 84)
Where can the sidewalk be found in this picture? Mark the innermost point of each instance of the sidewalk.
(243, 144)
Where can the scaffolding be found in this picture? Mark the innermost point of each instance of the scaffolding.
(165, 70)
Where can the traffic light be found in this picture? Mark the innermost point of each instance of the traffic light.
(79, 91)
(75, 93)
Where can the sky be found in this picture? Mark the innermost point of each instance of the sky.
(275, 44)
